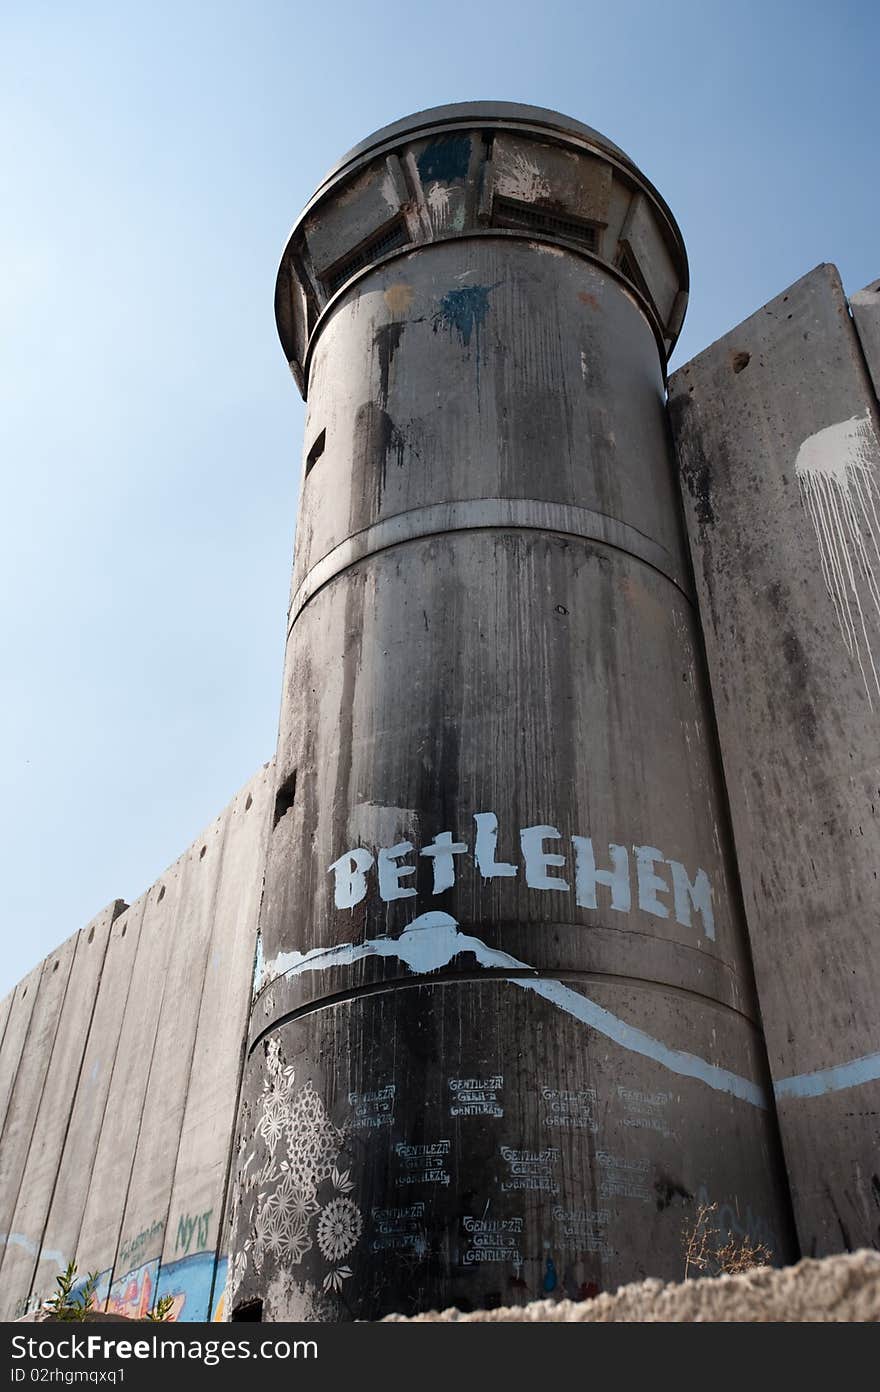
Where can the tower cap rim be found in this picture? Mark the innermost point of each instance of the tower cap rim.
(479, 111)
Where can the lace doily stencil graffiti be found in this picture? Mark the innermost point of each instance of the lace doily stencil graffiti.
(302, 1193)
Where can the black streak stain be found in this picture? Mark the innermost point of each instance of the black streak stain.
(840, 1223)
(694, 469)
(799, 676)
(667, 1190)
(386, 342)
(373, 439)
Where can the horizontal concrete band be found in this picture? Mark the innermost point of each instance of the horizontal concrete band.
(552, 988)
(458, 978)
(484, 514)
(535, 238)
(611, 955)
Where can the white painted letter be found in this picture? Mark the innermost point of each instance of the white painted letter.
(484, 850)
(391, 874)
(442, 849)
(351, 880)
(699, 894)
(587, 876)
(649, 883)
(536, 858)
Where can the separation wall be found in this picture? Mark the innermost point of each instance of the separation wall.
(776, 430)
(120, 1060)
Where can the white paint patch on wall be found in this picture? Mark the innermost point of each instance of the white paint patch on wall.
(438, 202)
(525, 179)
(835, 469)
(382, 824)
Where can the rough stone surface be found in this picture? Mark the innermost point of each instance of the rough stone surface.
(834, 1290)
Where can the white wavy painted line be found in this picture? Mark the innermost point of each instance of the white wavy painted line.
(835, 472)
(433, 940)
(835, 1079)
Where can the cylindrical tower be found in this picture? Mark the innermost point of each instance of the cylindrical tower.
(504, 1041)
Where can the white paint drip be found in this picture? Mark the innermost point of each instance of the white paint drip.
(438, 202)
(389, 193)
(835, 472)
(433, 940)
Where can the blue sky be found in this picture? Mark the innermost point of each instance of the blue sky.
(153, 159)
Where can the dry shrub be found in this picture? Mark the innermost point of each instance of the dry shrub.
(708, 1250)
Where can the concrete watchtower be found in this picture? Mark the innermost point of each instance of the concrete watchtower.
(505, 1035)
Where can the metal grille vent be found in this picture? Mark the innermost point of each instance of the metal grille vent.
(508, 212)
(627, 266)
(388, 238)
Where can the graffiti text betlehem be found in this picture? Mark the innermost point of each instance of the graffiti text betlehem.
(641, 877)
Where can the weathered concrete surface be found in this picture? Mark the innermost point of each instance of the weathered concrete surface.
(26, 1093)
(837, 1290)
(50, 1130)
(74, 1179)
(776, 432)
(144, 1223)
(506, 1029)
(121, 1071)
(20, 1008)
(865, 306)
(101, 1246)
(194, 1242)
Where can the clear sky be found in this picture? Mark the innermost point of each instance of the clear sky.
(153, 159)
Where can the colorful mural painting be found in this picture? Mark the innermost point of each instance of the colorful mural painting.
(189, 1282)
(197, 1292)
(134, 1293)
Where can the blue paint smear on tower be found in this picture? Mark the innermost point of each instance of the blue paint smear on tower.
(464, 311)
(446, 160)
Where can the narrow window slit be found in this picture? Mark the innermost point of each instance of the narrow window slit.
(316, 451)
(284, 798)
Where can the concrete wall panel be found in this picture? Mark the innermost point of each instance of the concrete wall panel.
(865, 306)
(15, 1034)
(56, 1101)
(192, 1239)
(77, 1163)
(121, 1131)
(120, 1062)
(5, 1008)
(145, 1219)
(26, 1094)
(776, 432)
